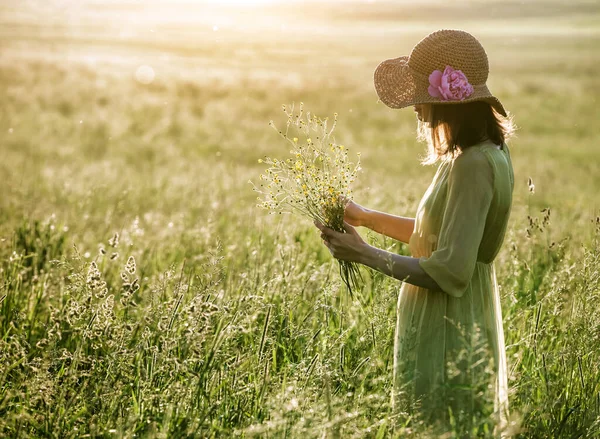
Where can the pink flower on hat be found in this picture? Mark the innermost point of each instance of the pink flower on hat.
(452, 85)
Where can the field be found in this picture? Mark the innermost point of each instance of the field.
(143, 293)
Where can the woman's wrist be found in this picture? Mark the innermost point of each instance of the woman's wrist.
(367, 254)
(365, 221)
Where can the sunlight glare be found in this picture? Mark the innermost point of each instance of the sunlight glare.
(241, 2)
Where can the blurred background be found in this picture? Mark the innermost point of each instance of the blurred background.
(173, 98)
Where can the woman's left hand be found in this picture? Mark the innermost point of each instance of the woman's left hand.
(347, 246)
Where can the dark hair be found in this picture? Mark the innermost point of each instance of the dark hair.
(455, 127)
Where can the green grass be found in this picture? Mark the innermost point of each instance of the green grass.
(241, 326)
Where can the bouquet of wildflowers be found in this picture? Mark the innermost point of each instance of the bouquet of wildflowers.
(315, 181)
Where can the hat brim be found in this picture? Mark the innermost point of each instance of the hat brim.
(399, 86)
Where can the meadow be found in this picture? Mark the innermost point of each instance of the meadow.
(144, 294)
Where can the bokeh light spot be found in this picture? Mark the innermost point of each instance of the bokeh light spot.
(145, 74)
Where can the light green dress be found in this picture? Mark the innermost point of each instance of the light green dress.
(449, 353)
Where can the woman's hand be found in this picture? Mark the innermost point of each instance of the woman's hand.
(347, 246)
(354, 214)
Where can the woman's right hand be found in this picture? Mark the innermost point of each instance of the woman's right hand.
(355, 214)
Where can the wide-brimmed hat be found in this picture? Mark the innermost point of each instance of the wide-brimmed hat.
(445, 67)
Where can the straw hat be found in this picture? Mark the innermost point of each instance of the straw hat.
(445, 67)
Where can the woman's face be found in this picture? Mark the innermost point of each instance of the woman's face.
(423, 112)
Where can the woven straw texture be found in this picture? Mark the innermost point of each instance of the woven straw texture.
(401, 82)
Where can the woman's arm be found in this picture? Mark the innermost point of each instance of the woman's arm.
(351, 247)
(396, 227)
(404, 268)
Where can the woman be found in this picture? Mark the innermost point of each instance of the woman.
(449, 353)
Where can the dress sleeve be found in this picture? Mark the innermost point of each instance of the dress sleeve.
(470, 192)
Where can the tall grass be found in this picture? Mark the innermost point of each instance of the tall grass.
(275, 350)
